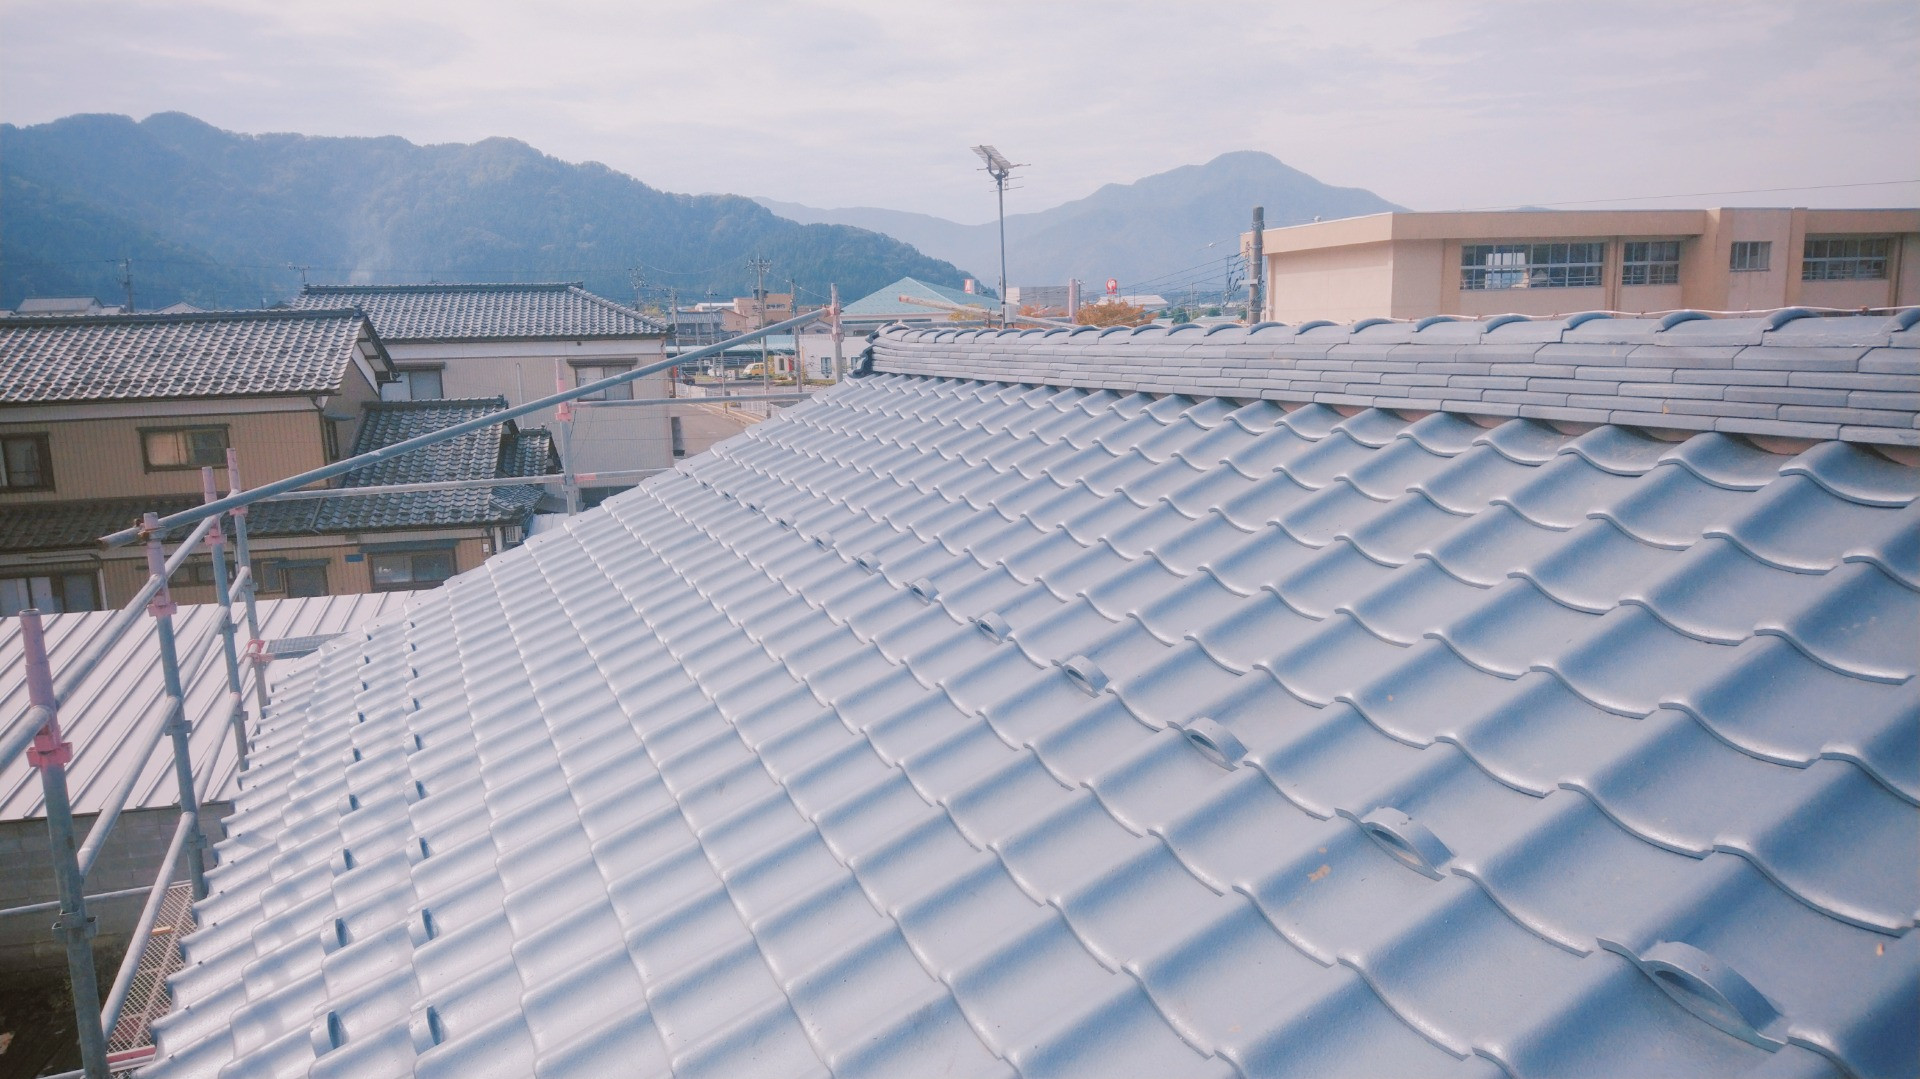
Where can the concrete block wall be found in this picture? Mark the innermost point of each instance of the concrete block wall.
(130, 859)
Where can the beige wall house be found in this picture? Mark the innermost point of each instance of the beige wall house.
(1413, 265)
(519, 342)
(104, 418)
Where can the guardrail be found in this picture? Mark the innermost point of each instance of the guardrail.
(37, 732)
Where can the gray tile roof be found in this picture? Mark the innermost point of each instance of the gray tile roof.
(55, 358)
(478, 312)
(962, 727)
(1854, 378)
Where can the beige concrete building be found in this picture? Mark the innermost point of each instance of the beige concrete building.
(1552, 262)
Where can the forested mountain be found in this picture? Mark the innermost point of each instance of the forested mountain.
(220, 219)
(1155, 234)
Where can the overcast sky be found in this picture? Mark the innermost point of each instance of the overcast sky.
(1432, 104)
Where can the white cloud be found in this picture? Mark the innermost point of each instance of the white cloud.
(840, 102)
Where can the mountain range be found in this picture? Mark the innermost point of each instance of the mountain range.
(220, 219)
(1159, 234)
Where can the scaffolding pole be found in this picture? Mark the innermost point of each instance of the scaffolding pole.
(217, 547)
(50, 754)
(161, 608)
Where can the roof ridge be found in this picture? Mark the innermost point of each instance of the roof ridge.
(262, 314)
(450, 286)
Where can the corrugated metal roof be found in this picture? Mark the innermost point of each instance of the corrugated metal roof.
(465, 312)
(945, 727)
(100, 717)
(885, 303)
(215, 354)
(1855, 378)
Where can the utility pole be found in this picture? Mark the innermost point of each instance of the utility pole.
(1257, 269)
(760, 266)
(126, 281)
(1000, 169)
(793, 308)
(673, 338)
(839, 333)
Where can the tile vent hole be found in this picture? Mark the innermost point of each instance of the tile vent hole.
(1215, 742)
(1409, 841)
(1086, 674)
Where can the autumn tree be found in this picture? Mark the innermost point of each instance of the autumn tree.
(1112, 313)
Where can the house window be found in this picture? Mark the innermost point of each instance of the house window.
(678, 435)
(329, 439)
(1651, 262)
(52, 593)
(586, 374)
(1845, 258)
(184, 447)
(195, 571)
(1486, 267)
(413, 384)
(25, 463)
(293, 576)
(1751, 256)
(401, 571)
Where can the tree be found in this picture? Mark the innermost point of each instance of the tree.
(1180, 316)
(1114, 313)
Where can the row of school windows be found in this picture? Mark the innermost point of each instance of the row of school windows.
(1486, 267)
(57, 591)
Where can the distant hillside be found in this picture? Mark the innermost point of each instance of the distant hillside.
(1148, 233)
(218, 219)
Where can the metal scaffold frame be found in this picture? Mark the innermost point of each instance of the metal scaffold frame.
(37, 732)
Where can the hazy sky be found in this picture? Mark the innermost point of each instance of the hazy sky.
(1435, 104)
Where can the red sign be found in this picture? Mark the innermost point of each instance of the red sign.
(1113, 286)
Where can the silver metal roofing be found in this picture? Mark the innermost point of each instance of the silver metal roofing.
(1786, 374)
(102, 716)
(977, 728)
(481, 311)
(54, 358)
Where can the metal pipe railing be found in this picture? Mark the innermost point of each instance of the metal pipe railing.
(183, 832)
(162, 609)
(50, 754)
(72, 674)
(146, 735)
(797, 395)
(352, 464)
(217, 546)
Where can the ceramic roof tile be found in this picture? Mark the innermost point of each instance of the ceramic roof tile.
(471, 312)
(204, 354)
(1412, 749)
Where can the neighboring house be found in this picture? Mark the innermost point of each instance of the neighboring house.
(883, 306)
(1548, 262)
(1141, 703)
(510, 341)
(103, 418)
(65, 305)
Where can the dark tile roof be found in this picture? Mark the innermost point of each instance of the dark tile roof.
(474, 312)
(964, 727)
(1855, 378)
(503, 450)
(54, 358)
(490, 452)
